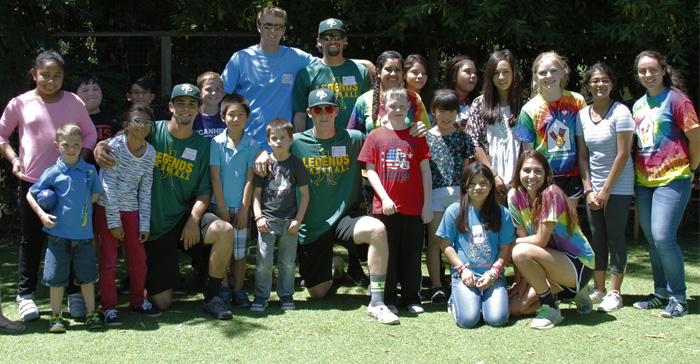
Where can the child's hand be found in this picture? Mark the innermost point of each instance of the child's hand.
(518, 289)
(294, 226)
(388, 206)
(262, 225)
(485, 282)
(18, 168)
(241, 219)
(468, 278)
(224, 215)
(117, 232)
(48, 220)
(427, 214)
(143, 236)
(418, 130)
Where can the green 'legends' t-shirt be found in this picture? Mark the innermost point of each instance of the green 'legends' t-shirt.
(335, 178)
(180, 175)
(348, 81)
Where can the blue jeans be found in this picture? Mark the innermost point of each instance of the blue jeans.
(286, 253)
(57, 262)
(660, 212)
(466, 303)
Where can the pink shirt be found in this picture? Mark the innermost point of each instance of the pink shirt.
(37, 122)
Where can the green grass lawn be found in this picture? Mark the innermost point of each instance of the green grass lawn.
(337, 329)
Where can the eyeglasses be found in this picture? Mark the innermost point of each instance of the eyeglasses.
(334, 36)
(140, 93)
(142, 122)
(605, 81)
(269, 26)
(316, 110)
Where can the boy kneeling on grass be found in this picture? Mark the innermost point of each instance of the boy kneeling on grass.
(69, 225)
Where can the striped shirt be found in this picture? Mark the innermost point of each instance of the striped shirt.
(127, 185)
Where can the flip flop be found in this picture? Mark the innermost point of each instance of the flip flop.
(6, 327)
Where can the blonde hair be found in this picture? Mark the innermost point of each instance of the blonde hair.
(558, 60)
(68, 129)
(207, 76)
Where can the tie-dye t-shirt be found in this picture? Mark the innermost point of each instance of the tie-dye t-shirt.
(662, 147)
(551, 126)
(361, 117)
(553, 210)
(465, 112)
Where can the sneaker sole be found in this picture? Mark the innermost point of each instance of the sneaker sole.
(115, 324)
(148, 314)
(59, 330)
(665, 315)
(555, 323)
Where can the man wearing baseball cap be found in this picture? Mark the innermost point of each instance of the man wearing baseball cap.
(347, 78)
(180, 195)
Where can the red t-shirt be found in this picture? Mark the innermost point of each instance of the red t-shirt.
(396, 156)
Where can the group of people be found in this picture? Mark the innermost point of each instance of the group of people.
(483, 179)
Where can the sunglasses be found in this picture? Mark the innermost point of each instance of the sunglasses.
(142, 122)
(269, 26)
(334, 36)
(316, 110)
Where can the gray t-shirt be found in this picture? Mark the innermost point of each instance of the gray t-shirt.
(601, 140)
(279, 198)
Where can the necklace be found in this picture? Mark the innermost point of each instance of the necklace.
(126, 141)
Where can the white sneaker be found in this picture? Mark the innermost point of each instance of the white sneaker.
(415, 309)
(611, 302)
(76, 305)
(596, 296)
(547, 317)
(583, 302)
(27, 307)
(383, 315)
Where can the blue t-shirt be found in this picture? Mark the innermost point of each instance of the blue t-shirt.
(267, 81)
(209, 126)
(74, 186)
(233, 164)
(479, 248)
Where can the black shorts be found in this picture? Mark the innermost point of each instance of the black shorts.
(315, 258)
(162, 254)
(583, 276)
(572, 186)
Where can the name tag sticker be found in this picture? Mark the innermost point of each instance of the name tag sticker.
(287, 79)
(190, 154)
(349, 80)
(339, 151)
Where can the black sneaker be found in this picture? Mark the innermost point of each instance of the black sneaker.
(216, 308)
(146, 309)
(437, 296)
(358, 277)
(94, 320)
(180, 289)
(111, 318)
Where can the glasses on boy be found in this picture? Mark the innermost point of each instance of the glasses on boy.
(316, 110)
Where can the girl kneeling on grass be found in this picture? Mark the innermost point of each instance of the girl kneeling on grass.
(123, 212)
(550, 248)
(476, 236)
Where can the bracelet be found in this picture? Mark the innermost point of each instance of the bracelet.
(493, 277)
(221, 210)
(461, 268)
(259, 217)
(587, 191)
(15, 159)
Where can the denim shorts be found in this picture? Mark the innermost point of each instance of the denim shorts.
(59, 255)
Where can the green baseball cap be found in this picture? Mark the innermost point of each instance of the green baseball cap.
(186, 89)
(331, 24)
(321, 96)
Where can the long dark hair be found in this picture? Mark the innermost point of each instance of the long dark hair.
(135, 108)
(536, 207)
(602, 67)
(377, 83)
(491, 112)
(426, 93)
(672, 78)
(490, 211)
(452, 70)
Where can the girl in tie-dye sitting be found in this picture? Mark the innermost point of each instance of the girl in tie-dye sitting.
(548, 121)
(551, 255)
(667, 155)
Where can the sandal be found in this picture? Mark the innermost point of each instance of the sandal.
(8, 327)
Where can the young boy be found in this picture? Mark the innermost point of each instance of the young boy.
(398, 169)
(208, 122)
(231, 162)
(141, 92)
(69, 225)
(87, 87)
(277, 217)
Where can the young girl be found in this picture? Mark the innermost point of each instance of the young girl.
(368, 111)
(494, 118)
(37, 114)
(418, 79)
(460, 75)
(451, 149)
(667, 156)
(550, 249)
(398, 169)
(604, 139)
(476, 234)
(548, 121)
(123, 212)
